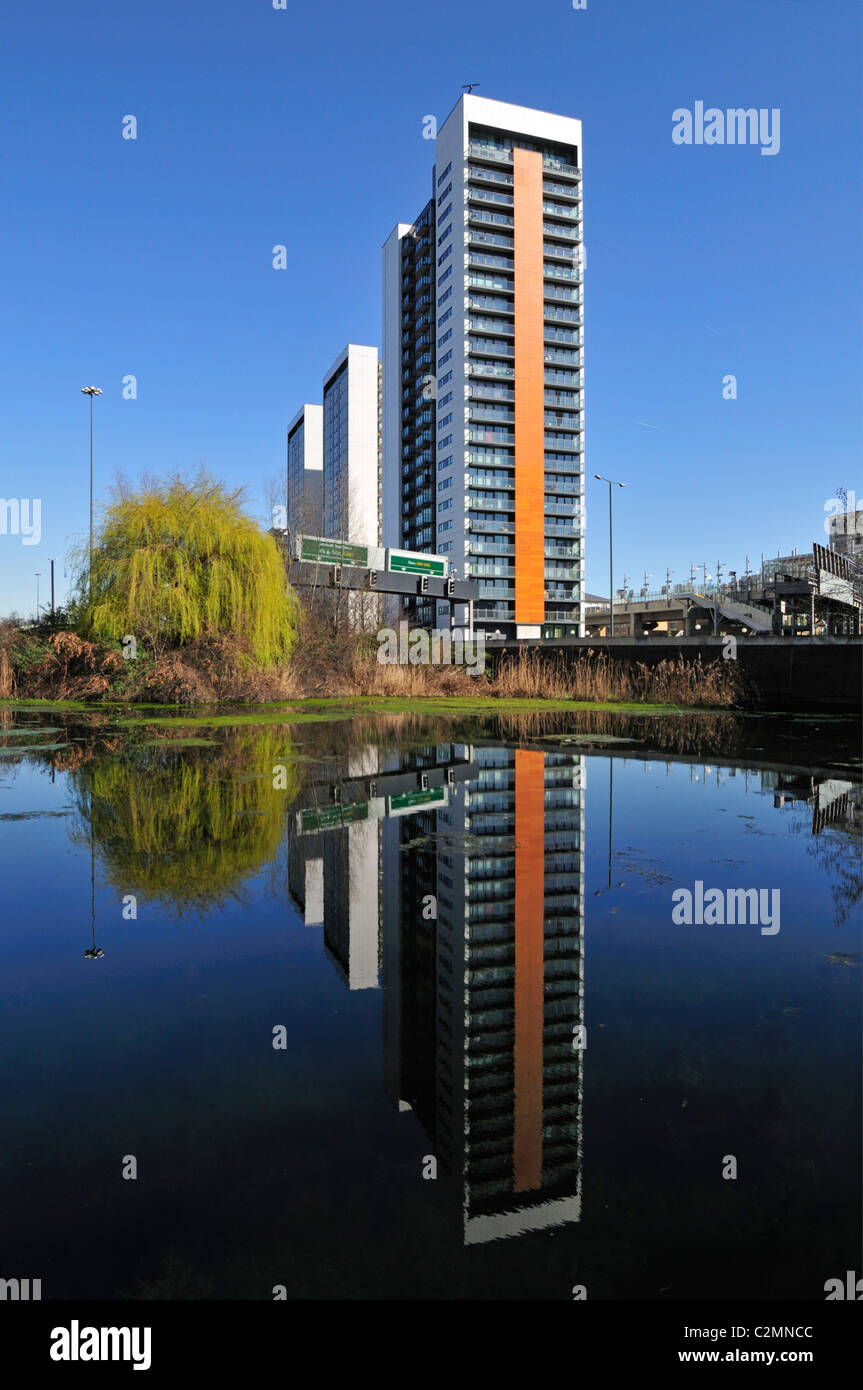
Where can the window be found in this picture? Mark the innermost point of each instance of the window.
(444, 174)
(444, 379)
(447, 420)
(445, 546)
(443, 236)
(446, 357)
(445, 506)
(447, 252)
(445, 443)
(446, 273)
(445, 400)
(445, 463)
(445, 194)
(445, 297)
(444, 526)
(444, 317)
(445, 482)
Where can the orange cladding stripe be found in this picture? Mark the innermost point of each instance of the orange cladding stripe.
(529, 389)
(529, 941)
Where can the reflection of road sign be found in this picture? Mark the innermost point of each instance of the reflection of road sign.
(329, 552)
(328, 817)
(407, 562)
(406, 800)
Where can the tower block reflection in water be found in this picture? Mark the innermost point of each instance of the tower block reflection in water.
(483, 1007)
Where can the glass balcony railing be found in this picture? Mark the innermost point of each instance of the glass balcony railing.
(485, 195)
(553, 230)
(502, 527)
(492, 176)
(489, 504)
(557, 295)
(571, 336)
(495, 484)
(478, 324)
(553, 161)
(498, 219)
(479, 238)
(485, 151)
(558, 271)
(491, 346)
(558, 210)
(489, 302)
(552, 313)
(565, 190)
(481, 370)
(490, 282)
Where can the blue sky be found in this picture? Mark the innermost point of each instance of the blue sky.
(303, 127)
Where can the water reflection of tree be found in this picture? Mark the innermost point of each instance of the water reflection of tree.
(186, 826)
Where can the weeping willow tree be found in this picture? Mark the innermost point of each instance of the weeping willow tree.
(186, 826)
(178, 560)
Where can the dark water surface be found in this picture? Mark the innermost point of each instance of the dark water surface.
(577, 1068)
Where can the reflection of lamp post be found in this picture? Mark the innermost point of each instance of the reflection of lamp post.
(93, 952)
(612, 483)
(91, 391)
(599, 891)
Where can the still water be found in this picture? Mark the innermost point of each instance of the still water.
(398, 1008)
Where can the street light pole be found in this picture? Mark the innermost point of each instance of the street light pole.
(37, 573)
(612, 482)
(91, 391)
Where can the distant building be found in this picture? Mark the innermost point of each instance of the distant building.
(351, 446)
(306, 471)
(846, 533)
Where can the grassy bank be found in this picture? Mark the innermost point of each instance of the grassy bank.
(40, 664)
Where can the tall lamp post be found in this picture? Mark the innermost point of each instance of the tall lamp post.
(91, 391)
(612, 483)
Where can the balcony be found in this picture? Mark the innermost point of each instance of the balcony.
(481, 370)
(563, 420)
(562, 272)
(552, 313)
(483, 391)
(553, 509)
(492, 504)
(487, 197)
(489, 304)
(493, 176)
(490, 282)
(571, 214)
(489, 347)
(556, 295)
(497, 528)
(478, 238)
(493, 484)
(491, 435)
(551, 229)
(476, 149)
(559, 166)
(484, 325)
(571, 399)
(497, 219)
(491, 414)
(563, 357)
(561, 190)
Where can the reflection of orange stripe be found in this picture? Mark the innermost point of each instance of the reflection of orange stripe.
(529, 389)
(529, 935)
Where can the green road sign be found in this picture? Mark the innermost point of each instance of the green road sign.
(403, 562)
(328, 817)
(329, 552)
(420, 798)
